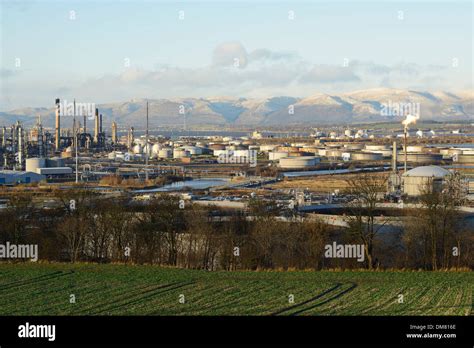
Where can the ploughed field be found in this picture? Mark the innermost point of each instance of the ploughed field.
(46, 289)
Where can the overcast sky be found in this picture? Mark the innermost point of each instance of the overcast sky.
(105, 51)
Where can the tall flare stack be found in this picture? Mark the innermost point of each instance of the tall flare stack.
(394, 157)
(58, 125)
(4, 136)
(96, 128)
(114, 132)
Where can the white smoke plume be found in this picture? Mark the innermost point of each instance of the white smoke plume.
(410, 119)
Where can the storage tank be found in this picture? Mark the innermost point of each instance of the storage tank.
(465, 159)
(33, 164)
(416, 181)
(217, 146)
(193, 150)
(296, 154)
(155, 149)
(384, 153)
(298, 162)
(366, 156)
(354, 146)
(165, 153)
(180, 153)
(376, 147)
(137, 148)
(333, 153)
(425, 158)
(415, 148)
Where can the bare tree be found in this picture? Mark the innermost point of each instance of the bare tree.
(439, 213)
(366, 190)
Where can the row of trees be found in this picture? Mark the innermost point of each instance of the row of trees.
(84, 226)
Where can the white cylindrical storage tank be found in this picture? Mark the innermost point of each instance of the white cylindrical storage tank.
(354, 146)
(334, 153)
(180, 153)
(193, 150)
(147, 149)
(165, 153)
(140, 141)
(366, 156)
(32, 164)
(376, 147)
(137, 148)
(298, 162)
(384, 153)
(465, 158)
(155, 149)
(424, 158)
(415, 148)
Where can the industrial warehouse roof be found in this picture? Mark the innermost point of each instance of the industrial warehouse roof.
(428, 171)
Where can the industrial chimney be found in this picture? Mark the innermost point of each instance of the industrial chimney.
(114, 132)
(96, 129)
(4, 137)
(58, 125)
(394, 157)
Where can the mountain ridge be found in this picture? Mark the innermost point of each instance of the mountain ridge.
(319, 108)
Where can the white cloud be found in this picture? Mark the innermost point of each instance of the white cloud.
(260, 73)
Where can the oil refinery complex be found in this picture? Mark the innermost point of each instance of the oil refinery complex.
(81, 150)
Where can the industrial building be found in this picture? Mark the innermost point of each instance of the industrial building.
(47, 166)
(420, 179)
(13, 177)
